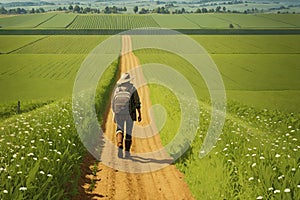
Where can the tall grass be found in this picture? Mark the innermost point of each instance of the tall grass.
(40, 151)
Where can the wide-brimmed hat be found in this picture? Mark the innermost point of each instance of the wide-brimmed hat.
(124, 78)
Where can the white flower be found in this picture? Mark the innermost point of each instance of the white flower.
(270, 188)
(253, 165)
(287, 190)
(30, 154)
(49, 175)
(42, 172)
(5, 191)
(276, 191)
(23, 188)
(9, 177)
(19, 172)
(289, 126)
(277, 155)
(293, 169)
(251, 179)
(298, 186)
(261, 157)
(259, 197)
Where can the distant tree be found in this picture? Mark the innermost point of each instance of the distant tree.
(32, 10)
(231, 26)
(71, 8)
(135, 9)
(198, 10)
(76, 9)
(59, 9)
(42, 10)
(224, 9)
(218, 9)
(3, 10)
(204, 10)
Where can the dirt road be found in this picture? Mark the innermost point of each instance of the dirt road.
(120, 178)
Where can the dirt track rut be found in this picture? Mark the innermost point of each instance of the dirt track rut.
(111, 183)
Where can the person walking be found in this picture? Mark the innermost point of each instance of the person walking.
(125, 103)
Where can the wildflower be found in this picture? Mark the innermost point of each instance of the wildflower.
(293, 169)
(35, 158)
(270, 188)
(287, 190)
(277, 155)
(259, 197)
(49, 175)
(276, 191)
(9, 177)
(289, 126)
(251, 179)
(23, 188)
(5, 191)
(253, 165)
(30, 154)
(298, 186)
(42, 172)
(19, 172)
(261, 157)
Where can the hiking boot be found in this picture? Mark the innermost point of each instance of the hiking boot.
(127, 148)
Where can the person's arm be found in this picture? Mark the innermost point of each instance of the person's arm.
(137, 104)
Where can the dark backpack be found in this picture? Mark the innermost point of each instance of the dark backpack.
(121, 99)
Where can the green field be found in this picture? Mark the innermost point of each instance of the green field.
(260, 71)
(113, 22)
(256, 156)
(58, 21)
(25, 21)
(40, 67)
(125, 21)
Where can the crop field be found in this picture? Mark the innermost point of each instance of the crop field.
(11, 43)
(256, 70)
(25, 21)
(113, 22)
(184, 21)
(40, 67)
(58, 21)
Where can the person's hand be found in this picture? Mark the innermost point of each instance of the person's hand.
(139, 118)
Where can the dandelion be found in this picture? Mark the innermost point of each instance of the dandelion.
(259, 197)
(23, 188)
(287, 190)
(276, 191)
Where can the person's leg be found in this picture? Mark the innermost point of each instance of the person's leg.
(128, 137)
(120, 130)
